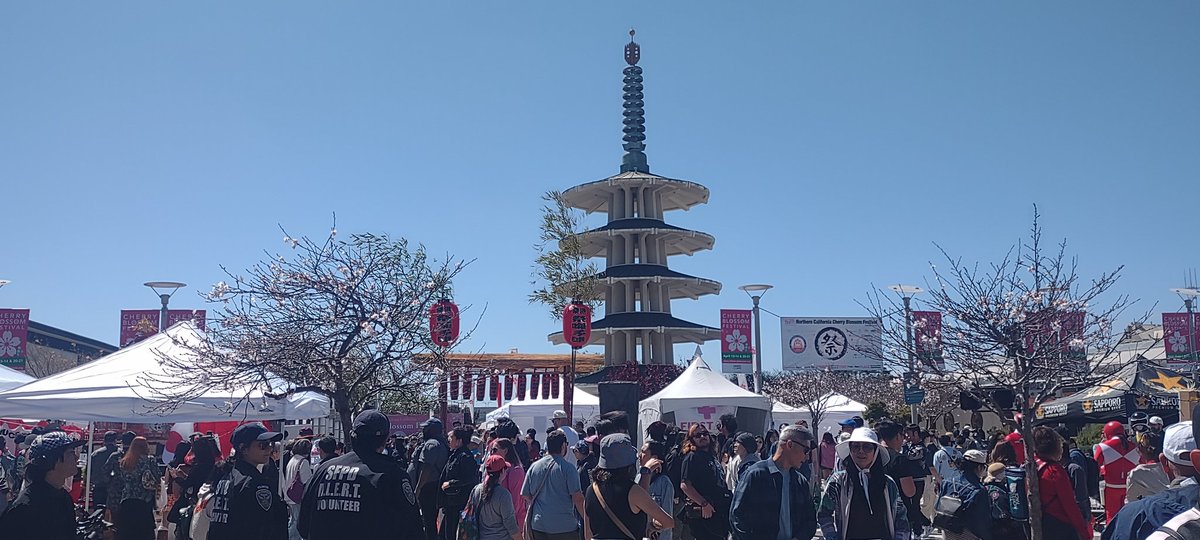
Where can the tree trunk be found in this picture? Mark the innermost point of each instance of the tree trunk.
(1032, 481)
(341, 405)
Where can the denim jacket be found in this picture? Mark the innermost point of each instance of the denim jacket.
(976, 509)
(756, 504)
(834, 512)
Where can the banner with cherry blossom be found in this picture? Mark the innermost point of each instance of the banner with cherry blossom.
(14, 336)
(1178, 336)
(139, 324)
(735, 341)
(927, 334)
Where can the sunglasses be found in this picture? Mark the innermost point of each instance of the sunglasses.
(264, 445)
(862, 447)
(805, 446)
(701, 433)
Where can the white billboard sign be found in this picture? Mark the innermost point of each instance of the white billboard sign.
(838, 343)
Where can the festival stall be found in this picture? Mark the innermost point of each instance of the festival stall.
(1143, 386)
(125, 386)
(536, 413)
(837, 409)
(700, 395)
(11, 378)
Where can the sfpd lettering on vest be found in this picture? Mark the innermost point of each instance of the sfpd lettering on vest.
(339, 491)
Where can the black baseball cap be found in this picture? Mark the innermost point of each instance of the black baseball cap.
(372, 422)
(128, 437)
(110, 437)
(248, 433)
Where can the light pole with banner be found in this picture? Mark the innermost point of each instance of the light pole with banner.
(165, 297)
(1189, 295)
(913, 394)
(756, 291)
(577, 331)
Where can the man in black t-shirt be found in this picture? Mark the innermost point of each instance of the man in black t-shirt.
(902, 468)
(44, 509)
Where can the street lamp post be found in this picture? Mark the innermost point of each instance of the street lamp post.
(1189, 295)
(907, 292)
(165, 297)
(756, 290)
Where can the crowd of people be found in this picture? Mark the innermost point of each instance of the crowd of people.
(883, 481)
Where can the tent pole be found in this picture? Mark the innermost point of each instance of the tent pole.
(87, 469)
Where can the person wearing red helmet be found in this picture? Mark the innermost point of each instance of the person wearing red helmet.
(1116, 455)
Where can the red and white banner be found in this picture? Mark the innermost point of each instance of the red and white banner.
(1178, 338)
(736, 356)
(927, 333)
(14, 337)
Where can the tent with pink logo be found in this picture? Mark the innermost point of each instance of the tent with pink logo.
(700, 395)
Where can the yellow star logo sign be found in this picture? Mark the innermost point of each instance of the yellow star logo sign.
(1107, 386)
(1168, 383)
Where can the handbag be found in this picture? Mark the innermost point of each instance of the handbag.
(468, 525)
(945, 513)
(611, 515)
(295, 490)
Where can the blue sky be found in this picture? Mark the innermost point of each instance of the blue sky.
(159, 140)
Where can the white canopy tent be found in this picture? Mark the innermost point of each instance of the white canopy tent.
(536, 413)
(837, 409)
(699, 395)
(11, 378)
(116, 388)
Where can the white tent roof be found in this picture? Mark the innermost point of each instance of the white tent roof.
(698, 386)
(11, 378)
(114, 388)
(840, 403)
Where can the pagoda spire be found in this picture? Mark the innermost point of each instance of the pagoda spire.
(634, 113)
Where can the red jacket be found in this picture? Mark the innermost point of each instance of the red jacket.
(1058, 497)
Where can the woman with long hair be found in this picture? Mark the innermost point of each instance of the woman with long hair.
(492, 505)
(1060, 514)
(177, 473)
(297, 472)
(827, 454)
(136, 482)
(709, 499)
(767, 448)
(514, 478)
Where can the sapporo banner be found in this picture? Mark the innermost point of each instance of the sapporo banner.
(735, 341)
(139, 324)
(927, 331)
(1178, 338)
(14, 336)
(837, 343)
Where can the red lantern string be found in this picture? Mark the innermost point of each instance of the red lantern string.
(480, 387)
(454, 386)
(495, 391)
(545, 386)
(554, 386)
(520, 386)
(508, 386)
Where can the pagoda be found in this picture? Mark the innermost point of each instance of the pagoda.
(636, 243)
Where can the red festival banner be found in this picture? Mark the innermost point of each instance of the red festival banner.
(927, 334)
(735, 341)
(1060, 332)
(139, 324)
(14, 337)
(1178, 338)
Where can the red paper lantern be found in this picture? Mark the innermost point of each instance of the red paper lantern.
(554, 386)
(508, 386)
(520, 387)
(577, 324)
(443, 322)
(454, 386)
(495, 390)
(545, 386)
(480, 387)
